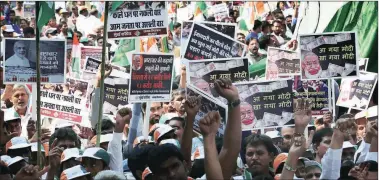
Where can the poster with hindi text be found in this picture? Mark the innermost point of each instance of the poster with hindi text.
(203, 73)
(65, 101)
(89, 51)
(356, 92)
(20, 61)
(329, 55)
(265, 104)
(151, 77)
(138, 19)
(207, 43)
(281, 62)
(116, 91)
(229, 29)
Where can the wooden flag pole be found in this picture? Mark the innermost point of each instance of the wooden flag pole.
(103, 56)
(38, 125)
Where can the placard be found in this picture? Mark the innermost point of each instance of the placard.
(220, 11)
(281, 62)
(229, 29)
(64, 101)
(116, 91)
(208, 105)
(317, 91)
(265, 104)
(137, 19)
(89, 51)
(203, 73)
(91, 65)
(151, 77)
(206, 43)
(20, 61)
(329, 55)
(29, 9)
(356, 92)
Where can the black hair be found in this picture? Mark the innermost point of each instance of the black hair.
(265, 24)
(263, 41)
(138, 159)
(211, 19)
(317, 137)
(346, 166)
(197, 170)
(241, 34)
(19, 152)
(177, 25)
(4, 169)
(263, 177)
(17, 166)
(177, 118)
(159, 154)
(257, 24)
(64, 134)
(251, 39)
(278, 3)
(261, 139)
(106, 126)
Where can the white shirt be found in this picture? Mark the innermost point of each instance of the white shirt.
(115, 151)
(17, 61)
(331, 164)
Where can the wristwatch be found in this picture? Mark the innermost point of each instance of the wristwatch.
(234, 103)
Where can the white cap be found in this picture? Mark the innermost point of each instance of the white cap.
(10, 118)
(273, 134)
(11, 161)
(70, 153)
(35, 147)
(8, 28)
(63, 125)
(17, 143)
(74, 172)
(161, 131)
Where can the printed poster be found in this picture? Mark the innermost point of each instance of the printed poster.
(282, 63)
(220, 11)
(356, 93)
(329, 55)
(116, 91)
(151, 77)
(206, 43)
(29, 9)
(229, 29)
(20, 61)
(207, 105)
(265, 104)
(138, 19)
(65, 101)
(203, 73)
(89, 51)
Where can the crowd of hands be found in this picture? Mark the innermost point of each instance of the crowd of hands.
(214, 162)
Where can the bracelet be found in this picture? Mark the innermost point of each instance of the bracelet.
(234, 104)
(289, 168)
(297, 134)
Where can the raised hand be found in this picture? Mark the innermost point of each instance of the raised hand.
(30, 172)
(226, 89)
(327, 118)
(192, 105)
(107, 72)
(303, 114)
(298, 146)
(55, 155)
(45, 136)
(85, 132)
(346, 123)
(371, 131)
(210, 123)
(123, 117)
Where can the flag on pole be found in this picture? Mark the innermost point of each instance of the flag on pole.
(200, 8)
(362, 17)
(126, 48)
(164, 45)
(46, 11)
(115, 5)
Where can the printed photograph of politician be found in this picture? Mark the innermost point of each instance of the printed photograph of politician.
(137, 62)
(20, 60)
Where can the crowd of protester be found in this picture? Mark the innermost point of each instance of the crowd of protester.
(172, 149)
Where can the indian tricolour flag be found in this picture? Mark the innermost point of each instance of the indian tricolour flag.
(75, 57)
(358, 16)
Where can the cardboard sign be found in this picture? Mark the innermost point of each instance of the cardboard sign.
(329, 55)
(265, 104)
(356, 92)
(282, 63)
(137, 19)
(203, 73)
(20, 61)
(151, 77)
(207, 105)
(206, 43)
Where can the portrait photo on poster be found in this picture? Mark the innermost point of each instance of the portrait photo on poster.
(151, 77)
(329, 55)
(265, 103)
(208, 104)
(20, 61)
